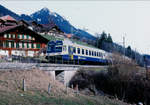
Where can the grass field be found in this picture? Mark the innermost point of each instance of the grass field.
(43, 98)
(37, 81)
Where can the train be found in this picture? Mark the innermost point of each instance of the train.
(75, 52)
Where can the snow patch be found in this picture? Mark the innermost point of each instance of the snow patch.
(54, 14)
(38, 19)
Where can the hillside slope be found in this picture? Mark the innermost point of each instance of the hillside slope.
(37, 83)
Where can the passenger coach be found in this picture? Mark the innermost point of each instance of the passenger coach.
(67, 51)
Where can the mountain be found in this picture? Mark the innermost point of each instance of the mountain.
(4, 11)
(26, 17)
(42, 16)
(45, 16)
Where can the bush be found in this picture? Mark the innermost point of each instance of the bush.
(124, 81)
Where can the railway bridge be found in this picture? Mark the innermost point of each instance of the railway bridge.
(60, 72)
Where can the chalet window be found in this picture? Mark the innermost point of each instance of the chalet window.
(11, 35)
(14, 36)
(27, 45)
(18, 36)
(32, 45)
(22, 36)
(27, 36)
(17, 45)
(22, 44)
(37, 45)
(1, 44)
(12, 44)
(7, 44)
(33, 38)
(78, 50)
(5, 35)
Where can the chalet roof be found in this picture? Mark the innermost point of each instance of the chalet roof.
(25, 29)
(7, 17)
(6, 28)
(24, 22)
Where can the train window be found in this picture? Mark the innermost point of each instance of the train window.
(78, 50)
(74, 49)
(89, 52)
(86, 52)
(95, 53)
(99, 54)
(58, 49)
(92, 53)
(83, 51)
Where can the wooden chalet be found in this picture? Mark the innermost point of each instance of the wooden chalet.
(20, 40)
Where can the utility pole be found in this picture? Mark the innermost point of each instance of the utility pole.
(135, 54)
(145, 60)
(124, 48)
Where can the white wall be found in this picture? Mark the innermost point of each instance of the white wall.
(31, 53)
(4, 52)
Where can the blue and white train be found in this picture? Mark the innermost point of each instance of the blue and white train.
(66, 51)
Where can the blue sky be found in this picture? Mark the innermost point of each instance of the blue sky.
(119, 18)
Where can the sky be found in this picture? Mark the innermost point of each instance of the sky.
(129, 19)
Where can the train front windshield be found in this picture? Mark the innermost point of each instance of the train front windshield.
(54, 47)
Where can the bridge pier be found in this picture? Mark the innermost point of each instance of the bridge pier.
(68, 76)
(61, 75)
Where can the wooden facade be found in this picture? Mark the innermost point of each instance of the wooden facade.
(20, 40)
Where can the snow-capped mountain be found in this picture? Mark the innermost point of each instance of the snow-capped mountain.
(45, 16)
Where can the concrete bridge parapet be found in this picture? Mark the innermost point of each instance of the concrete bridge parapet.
(61, 72)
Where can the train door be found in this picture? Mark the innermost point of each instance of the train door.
(70, 52)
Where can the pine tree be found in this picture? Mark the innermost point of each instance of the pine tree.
(109, 39)
(129, 52)
(102, 39)
(103, 36)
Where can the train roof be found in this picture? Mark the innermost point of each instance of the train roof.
(82, 44)
(54, 38)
